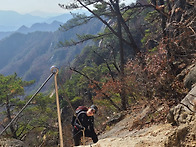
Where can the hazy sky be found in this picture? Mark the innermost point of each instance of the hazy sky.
(29, 6)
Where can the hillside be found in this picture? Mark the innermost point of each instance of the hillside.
(130, 129)
(140, 72)
(159, 135)
(31, 55)
(135, 131)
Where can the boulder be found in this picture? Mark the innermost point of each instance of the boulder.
(183, 135)
(185, 111)
(184, 114)
(11, 142)
(190, 78)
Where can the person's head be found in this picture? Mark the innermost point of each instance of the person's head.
(92, 110)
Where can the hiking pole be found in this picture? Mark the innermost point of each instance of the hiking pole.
(55, 71)
(83, 131)
(27, 103)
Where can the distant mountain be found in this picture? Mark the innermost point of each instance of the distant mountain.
(65, 17)
(61, 18)
(10, 20)
(31, 55)
(44, 27)
(5, 34)
(14, 22)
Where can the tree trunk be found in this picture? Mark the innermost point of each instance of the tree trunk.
(124, 101)
(13, 131)
(163, 17)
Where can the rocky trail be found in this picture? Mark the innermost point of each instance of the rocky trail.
(160, 135)
(129, 133)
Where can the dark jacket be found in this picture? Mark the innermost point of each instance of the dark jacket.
(85, 121)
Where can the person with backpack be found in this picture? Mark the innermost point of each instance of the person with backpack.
(84, 122)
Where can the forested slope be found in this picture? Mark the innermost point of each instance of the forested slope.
(31, 55)
(136, 72)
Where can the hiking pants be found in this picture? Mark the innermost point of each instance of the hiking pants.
(77, 136)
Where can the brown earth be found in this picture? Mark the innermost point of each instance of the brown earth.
(161, 135)
(134, 131)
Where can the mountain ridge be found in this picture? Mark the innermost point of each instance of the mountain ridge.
(44, 27)
(31, 55)
(26, 23)
(16, 20)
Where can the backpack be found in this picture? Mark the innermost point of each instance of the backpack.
(77, 111)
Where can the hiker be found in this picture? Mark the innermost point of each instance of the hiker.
(84, 122)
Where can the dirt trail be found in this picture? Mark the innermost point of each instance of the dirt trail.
(120, 135)
(132, 130)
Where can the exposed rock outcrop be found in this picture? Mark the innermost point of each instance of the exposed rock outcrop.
(185, 111)
(190, 78)
(183, 135)
(184, 116)
(10, 142)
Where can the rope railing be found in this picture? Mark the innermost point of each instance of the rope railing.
(74, 113)
(54, 71)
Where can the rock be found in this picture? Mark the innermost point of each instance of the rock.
(184, 135)
(11, 142)
(184, 112)
(190, 78)
(114, 119)
(184, 115)
(177, 137)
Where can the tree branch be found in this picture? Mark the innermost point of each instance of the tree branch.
(93, 82)
(108, 66)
